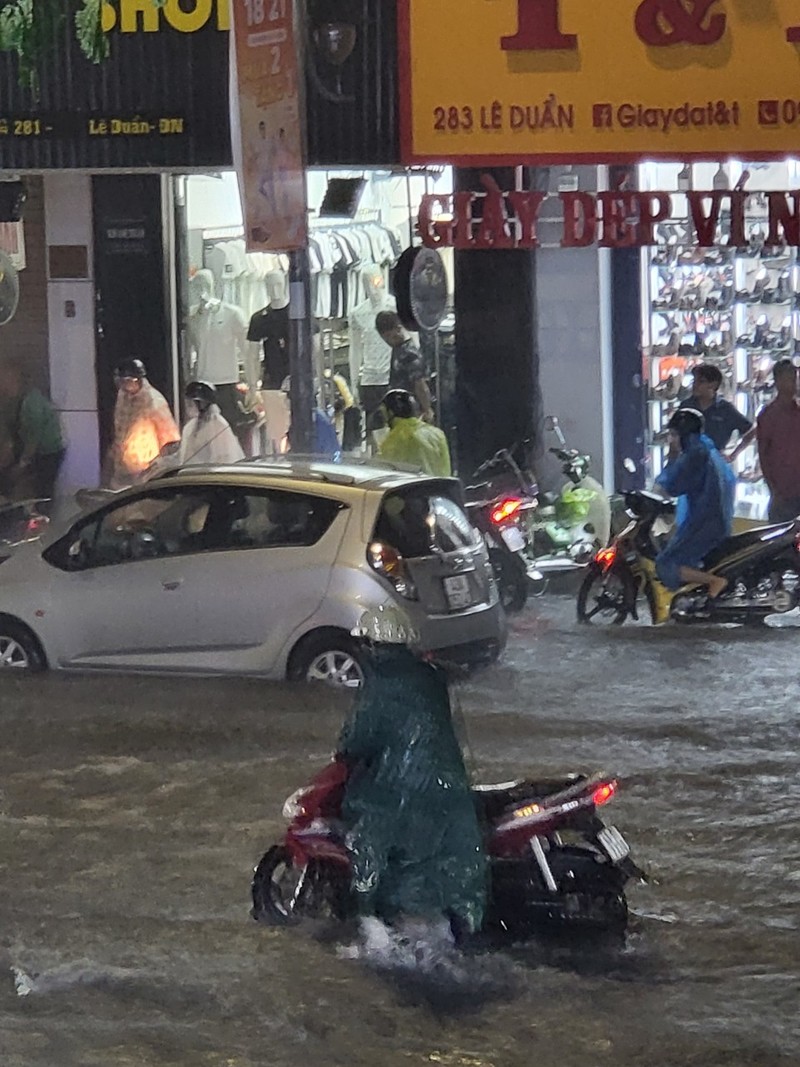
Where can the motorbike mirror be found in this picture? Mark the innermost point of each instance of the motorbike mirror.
(629, 465)
(550, 422)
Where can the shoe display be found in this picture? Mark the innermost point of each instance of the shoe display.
(737, 308)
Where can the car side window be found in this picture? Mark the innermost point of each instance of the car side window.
(182, 521)
(166, 522)
(276, 518)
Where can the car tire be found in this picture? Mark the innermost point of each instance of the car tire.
(19, 648)
(330, 656)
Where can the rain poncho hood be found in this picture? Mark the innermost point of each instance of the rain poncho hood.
(414, 442)
(705, 486)
(414, 835)
(209, 439)
(143, 425)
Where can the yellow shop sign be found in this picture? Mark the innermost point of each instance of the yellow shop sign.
(143, 16)
(512, 81)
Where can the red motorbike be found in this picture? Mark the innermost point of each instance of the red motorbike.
(553, 861)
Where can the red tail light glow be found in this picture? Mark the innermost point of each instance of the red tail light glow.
(797, 542)
(506, 510)
(606, 556)
(604, 793)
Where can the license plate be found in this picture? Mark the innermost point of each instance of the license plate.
(458, 592)
(513, 538)
(613, 844)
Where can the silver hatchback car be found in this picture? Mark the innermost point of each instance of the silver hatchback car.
(251, 569)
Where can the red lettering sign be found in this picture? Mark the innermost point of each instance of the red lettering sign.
(538, 29)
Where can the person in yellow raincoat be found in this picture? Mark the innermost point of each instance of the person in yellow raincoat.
(143, 426)
(412, 441)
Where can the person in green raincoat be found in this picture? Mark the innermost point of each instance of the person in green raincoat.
(410, 439)
(414, 837)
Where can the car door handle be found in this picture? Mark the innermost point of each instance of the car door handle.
(172, 586)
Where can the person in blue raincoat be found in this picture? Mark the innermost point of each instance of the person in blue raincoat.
(414, 837)
(705, 485)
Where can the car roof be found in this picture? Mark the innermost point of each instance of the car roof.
(366, 474)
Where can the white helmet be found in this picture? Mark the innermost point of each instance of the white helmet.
(386, 625)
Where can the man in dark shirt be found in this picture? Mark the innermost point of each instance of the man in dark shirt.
(722, 419)
(779, 444)
(407, 368)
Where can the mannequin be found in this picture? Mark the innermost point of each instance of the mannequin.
(370, 356)
(218, 336)
(271, 326)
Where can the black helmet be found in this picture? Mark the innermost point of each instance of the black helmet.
(131, 368)
(202, 393)
(686, 421)
(400, 404)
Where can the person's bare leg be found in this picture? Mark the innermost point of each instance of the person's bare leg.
(713, 582)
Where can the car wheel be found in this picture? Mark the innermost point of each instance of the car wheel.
(330, 657)
(19, 649)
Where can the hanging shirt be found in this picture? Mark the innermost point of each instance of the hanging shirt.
(218, 334)
(271, 327)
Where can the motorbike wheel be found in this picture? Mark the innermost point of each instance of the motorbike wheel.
(284, 894)
(606, 598)
(512, 579)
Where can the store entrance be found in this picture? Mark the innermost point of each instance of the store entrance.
(131, 314)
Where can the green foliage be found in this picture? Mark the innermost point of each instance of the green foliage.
(30, 29)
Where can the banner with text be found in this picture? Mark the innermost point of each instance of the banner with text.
(267, 127)
(596, 81)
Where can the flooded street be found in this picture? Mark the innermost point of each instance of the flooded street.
(132, 812)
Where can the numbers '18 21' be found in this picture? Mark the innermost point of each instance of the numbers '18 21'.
(453, 118)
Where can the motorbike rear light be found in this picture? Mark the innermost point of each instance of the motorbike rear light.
(797, 542)
(604, 793)
(506, 510)
(388, 562)
(36, 524)
(606, 556)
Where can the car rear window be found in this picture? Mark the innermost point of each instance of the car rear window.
(422, 519)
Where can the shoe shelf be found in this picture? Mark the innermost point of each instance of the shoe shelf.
(738, 308)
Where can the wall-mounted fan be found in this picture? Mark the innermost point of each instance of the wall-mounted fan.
(9, 288)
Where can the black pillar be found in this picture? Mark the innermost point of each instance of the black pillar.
(630, 391)
(498, 397)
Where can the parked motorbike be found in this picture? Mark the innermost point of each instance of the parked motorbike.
(553, 861)
(496, 502)
(568, 527)
(762, 567)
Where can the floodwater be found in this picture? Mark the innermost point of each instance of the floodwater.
(133, 810)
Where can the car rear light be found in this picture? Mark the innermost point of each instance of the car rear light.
(604, 793)
(506, 510)
(606, 556)
(388, 562)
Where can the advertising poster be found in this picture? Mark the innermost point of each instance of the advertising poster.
(267, 127)
(543, 81)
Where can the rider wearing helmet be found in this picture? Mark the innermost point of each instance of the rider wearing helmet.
(410, 440)
(414, 836)
(698, 475)
(143, 426)
(207, 437)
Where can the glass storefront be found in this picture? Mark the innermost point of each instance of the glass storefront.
(735, 308)
(236, 303)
